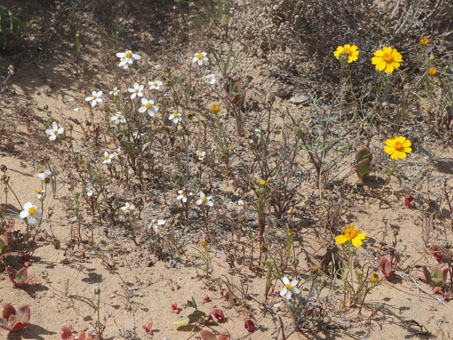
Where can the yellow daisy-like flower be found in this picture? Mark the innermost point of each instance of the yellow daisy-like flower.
(374, 277)
(351, 51)
(215, 108)
(397, 147)
(387, 59)
(351, 234)
(432, 71)
(424, 40)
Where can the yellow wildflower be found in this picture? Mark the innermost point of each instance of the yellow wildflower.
(374, 277)
(424, 40)
(432, 71)
(351, 52)
(215, 108)
(397, 147)
(387, 59)
(351, 234)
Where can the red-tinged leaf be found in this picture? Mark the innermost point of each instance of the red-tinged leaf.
(7, 311)
(408, 201)
(148, 329)
(66, 333)
(5, 325)
(11, 273)
(174, 308)
(23, 314)
(218, 314)
(249, 325)
(224, 336)
(82, 335)
(386, 268)
(207, 335)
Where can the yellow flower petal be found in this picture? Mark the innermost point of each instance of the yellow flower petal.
(387, 50)
(379, 53)
(361, 236)
(401, 139)
(340, 239)
(381, 66)
(388, 68)
(356, 242)
(389, 149)
(407, 143)
(354, 48)
(407, 149)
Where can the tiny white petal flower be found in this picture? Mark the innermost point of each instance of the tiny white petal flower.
(201, 155)
(118, 118)
(54, 131)
(290, 287)
(210, 79)
(115, 92)
(43, 174)
(155, 224)
(40, 194)
(148, 106)
(128, 208)
(127, 58)
(175, 118)
(31, 213)
(136, 90)
(90, 189)
(204, 200)
(108, 157)
(95, 98)
(199, 58)
(155, 85)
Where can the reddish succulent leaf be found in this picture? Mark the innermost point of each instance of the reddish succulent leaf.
(249, 325)
(4, 325)
(148, 329)
(207, 335)
(218, 314)
(174, 308)
(66, 333)
(7, 311)
(386, 268)
(224, 336)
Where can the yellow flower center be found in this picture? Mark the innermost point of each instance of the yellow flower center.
(232, 147)
(40, 171)
(200, 56)
(350, 232)
(106, 157)
(118, 117)
(292, 212)
(200, 155)
(136, 90)
(398, 146)
(32, 211)
(347, 50)
(55, 132)
(204, 199)
(262, 182)
(289, 286)
(38, 191)
(148, 105)
(128, 54)
(94, 97)
(387, 57)
(175, 115)
(155, 84)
